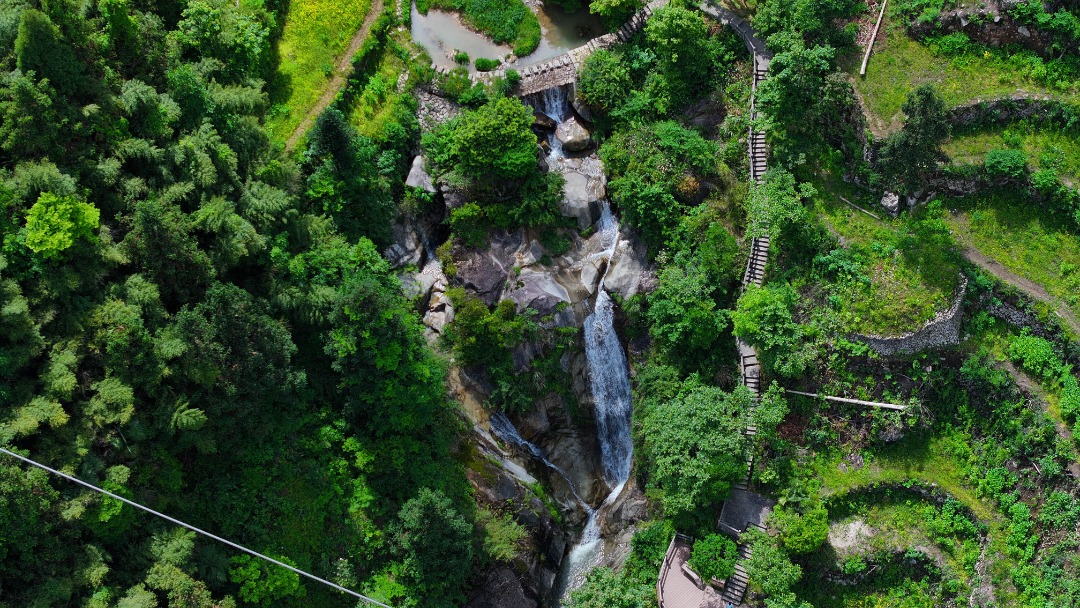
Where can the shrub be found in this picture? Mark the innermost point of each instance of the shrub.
(1036, 355)
(461, 58)
(483, 64)
(853, 565)
(1070, 399)
(714, 557)
(693, 446)
(765, 317)
(604, 82)
(805, 532)
(468, 224)
(1006, 163)
(502, 536)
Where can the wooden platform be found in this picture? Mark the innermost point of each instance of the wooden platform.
(676, 588)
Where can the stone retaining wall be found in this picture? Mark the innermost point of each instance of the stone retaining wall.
(1014, 108)
(562, 70)
(985, 25)
(943, 330)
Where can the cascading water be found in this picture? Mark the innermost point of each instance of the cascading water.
(610, 383)
(506, 431)
(555, 104)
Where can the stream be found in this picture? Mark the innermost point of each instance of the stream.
(608, 373)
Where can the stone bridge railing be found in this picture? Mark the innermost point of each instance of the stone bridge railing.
(562, 70)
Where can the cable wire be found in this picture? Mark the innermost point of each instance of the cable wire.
(193, 528)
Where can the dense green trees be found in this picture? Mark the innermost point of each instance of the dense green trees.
(202, 324)
(694, 446)
(436, 543)
(909, 155)
(488, 144)
(656, 171)
(604, 589)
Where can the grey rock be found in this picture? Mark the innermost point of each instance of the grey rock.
(585, 186)
(486, 271)
(501, 589)
(452, 197)
(543, 121)
(891, 203)
(407, 248)
(626, 268)
(572, 135)
(533, 254)
(537, 290)
(580, 106)
(418, 176)
(1025, 32)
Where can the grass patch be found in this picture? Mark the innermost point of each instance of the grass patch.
(937, 460)
(315, 34)
(1011, 228)
(1045, 147)
(900, 63)
(893, 275)
(504, 21)
(376, 106)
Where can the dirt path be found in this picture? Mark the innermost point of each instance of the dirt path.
(1030, 386)
(341, 70)
(1030, 288)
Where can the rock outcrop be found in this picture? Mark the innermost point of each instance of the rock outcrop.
(418, 176)
(573, 136)
(408, 246)
(586, 185)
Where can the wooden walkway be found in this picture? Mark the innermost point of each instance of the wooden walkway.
(680, 587)
(675, 587)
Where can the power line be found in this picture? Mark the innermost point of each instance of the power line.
(193, 528)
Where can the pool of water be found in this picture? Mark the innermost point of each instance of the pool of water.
(562, 31)
(441, 34)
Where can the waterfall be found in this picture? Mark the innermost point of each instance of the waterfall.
(611, 389)
(610, 383)
(555, 104)
(506, 431)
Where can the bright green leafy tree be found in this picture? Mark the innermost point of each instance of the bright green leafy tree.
(54, 223)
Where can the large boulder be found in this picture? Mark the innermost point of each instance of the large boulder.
(538, 290)
(407, 248)
(484, 272)
(452, 197)
(585, 187)
(890, 201)
(572, 135)
(580, 106)
(418, 176)
(626, 268)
